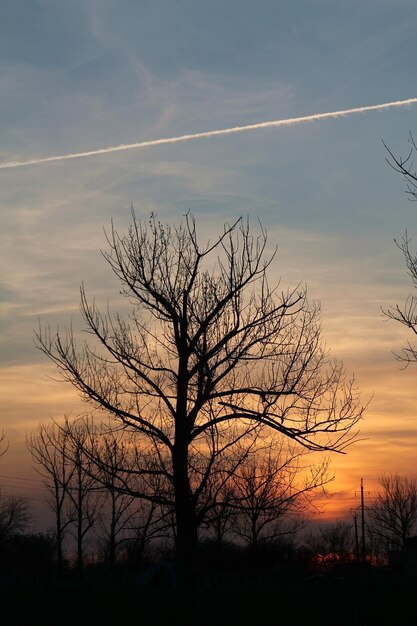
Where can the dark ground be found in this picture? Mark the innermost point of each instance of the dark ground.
(366, 600)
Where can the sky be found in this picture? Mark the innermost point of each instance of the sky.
(87, 74)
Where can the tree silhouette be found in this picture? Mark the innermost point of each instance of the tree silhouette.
(127, 517)
(85, 496)
(3, 443)
(394, 514)
(14, 517)
(331, 544)
(209, 353)
(49, 447)
(406, 314)
(273, 493)
(405, 167)
(14, 510)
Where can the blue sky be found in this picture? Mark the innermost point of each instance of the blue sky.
(81, 75)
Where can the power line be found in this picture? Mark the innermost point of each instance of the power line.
(32, 480)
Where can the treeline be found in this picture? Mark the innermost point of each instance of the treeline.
(254, 520)
(101, 484)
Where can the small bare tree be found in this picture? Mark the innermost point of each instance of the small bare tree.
(85, 494)
(50, 449)
(331, 544)
(14, 517)
(273, 494)
(393, 516)
(118, 509)
(221, 516)
(209, 345)
(136, 496)
(14, 510)
(128, 517)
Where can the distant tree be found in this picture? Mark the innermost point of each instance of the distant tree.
(337, 538)
(50, 448)
(14, 510)
(331, 544)
(126, 518)
(209, 346)
(33, 553)
(215, 512)
(116, 480)
(393, 516)
(272, 494)
(85, 494)
(131, 511)
(221, 517)
(14, 517)
(148, 524)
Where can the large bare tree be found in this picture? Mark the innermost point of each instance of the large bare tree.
(209, 352)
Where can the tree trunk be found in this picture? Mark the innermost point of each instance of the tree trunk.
(112, 538)
(59, 540)
(58, 521)
(186, 523)
(80, 562)
(112, 547)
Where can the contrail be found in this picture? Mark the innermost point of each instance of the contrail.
(210, 133)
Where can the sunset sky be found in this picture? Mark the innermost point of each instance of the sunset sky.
(87, 74)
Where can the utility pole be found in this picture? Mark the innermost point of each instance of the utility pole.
(355, 519)
(360, 554)
(363, 523)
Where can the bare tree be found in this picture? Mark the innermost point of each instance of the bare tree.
(136, 487)
(394, 514)
(149, 523)
(407, 313)
(3, 443)
(127, 517)
(405, 167)
(14, 510)
(221, 516)
(209, 345)
(331, 544)
(85, 495)
(273, 494)
(118, 510)
(49, 447)
(14, 517)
